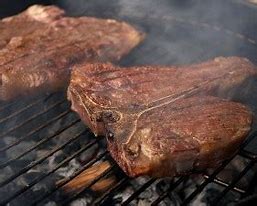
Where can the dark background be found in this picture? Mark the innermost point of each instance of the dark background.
(11, 7)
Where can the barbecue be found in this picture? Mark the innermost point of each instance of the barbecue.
(44, 145)
(39, 58)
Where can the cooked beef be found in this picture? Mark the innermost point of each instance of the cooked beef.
(189, 134)
(160, 121)
(24, 23)
(37, 55)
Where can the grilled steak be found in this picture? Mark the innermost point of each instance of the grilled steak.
(27, 22)
(37, 54)
(162, 121)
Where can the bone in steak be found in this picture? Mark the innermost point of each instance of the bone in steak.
(161, 121)
(39, 45)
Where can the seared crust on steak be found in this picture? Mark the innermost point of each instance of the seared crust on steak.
(188, 135)
(37, 55)
(162, 121)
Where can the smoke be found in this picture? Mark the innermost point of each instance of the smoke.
(194, 31)
(183, 32)
(179, 32)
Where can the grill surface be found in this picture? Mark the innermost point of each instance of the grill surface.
(42, 141)
(77, 141)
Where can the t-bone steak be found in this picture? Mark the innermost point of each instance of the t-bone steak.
(164, 121)
(39, 45)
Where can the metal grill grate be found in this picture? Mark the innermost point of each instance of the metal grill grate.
(56, 101)
(36, 132)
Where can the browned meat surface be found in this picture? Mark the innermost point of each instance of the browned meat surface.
(24, 24)
(37, 54)
(162, 121)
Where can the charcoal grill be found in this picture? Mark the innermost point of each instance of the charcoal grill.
(43, 141)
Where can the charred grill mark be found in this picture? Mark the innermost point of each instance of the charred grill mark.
(45, 51)
(187, 93)
(133, 73)
(203, 113)
(12, 61)
(132, 85)
(191, 90)
(104, 72)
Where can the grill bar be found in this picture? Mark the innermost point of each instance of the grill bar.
(21, 110)
(233, 183)
(202, 186)
(33, 164)
(109, 193)
(152, 51)
(216, 172)
(247, 154)
(7, 105)
(86, 166)
(37, 145)
(116, 186)
(165, 194)
(35, 181)
(251, 186)
(42, 126)
(139, 191)
(33, 117)
(224, 184)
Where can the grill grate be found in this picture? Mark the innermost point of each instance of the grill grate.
(38, 131)
(91, 141)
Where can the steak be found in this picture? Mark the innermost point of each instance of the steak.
(164, 121)
(37, 55)
(27, 22)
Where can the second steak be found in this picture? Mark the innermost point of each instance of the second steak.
(39, 46)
